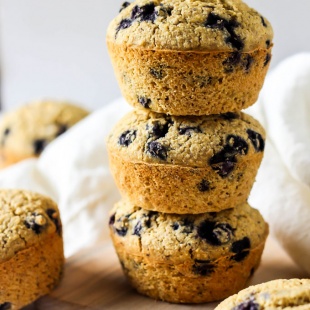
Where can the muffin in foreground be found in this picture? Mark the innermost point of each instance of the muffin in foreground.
(188, 258)
(277, 294)
(190, 57)
(26, 131)
(31, 256)
(177, 164)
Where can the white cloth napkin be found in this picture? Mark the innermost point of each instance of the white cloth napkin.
(282, 188)
(74, 168)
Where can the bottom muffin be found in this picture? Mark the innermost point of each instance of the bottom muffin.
(188, 258)
(277, 294)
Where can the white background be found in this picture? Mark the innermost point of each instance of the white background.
(56, 48)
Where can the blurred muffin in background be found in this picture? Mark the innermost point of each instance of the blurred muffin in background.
(27, 130)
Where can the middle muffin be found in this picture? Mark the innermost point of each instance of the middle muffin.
(192, 164)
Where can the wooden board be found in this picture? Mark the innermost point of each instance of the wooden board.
(94, 280)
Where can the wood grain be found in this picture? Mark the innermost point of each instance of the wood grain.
(94, 280)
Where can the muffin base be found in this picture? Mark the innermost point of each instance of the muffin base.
(31, 273)
(189, 82)
(175, 189)
(177, 284)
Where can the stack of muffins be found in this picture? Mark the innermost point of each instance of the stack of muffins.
(186, 158)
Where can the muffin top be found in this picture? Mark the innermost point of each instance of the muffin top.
(216, 141)
(27, 130)
(178, 238)
(277, 294)
(187, 25)
(26, 218)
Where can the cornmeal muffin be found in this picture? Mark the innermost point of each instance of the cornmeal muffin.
(31, 256)
(192, 57)
(177, 164)
(188, 258)
(277, 294)
(26, 131)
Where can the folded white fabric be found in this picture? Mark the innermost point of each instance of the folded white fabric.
(282, 189)
(74, 168)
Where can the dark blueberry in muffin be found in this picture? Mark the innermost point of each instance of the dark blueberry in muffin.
(53, 215)
(144, 13)
(127, 137)
(203, 267)
(268, 43)
(39, 145)
(188, 130)
(159, 130)
(112, 219)
(164, 10)
(122, 231)
(249, 304)
(248, 62)
(157, 73)
(241, 248)
(203, 186)
(137, 229)
(124, 24)
(31, 224)
(215, 233)
(5, 134)
(216, 22)
(263, 21)
(267, 60)
(124, 6)
(157, 150)
(5, 306)
(230, 115)
(188, 226)
(257, 140)
(145, 102)
(231, 62)
(175, 226)
(238, 144)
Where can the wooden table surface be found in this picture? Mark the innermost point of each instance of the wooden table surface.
(94, 280)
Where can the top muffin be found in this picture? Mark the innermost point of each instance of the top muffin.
(207, 25)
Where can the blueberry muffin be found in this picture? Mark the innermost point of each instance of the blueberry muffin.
(26, 131)
(184, 258)
(31, 256)
(178, 164)
(190, 57)
(277, 294)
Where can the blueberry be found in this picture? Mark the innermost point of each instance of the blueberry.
(216, 22)
(188, 130)
(127, 137)
(150, 216)
(215, 233)
(5, 306)
(249, 304)
(247, 63)
(237, 144)
(165, 10)
(268, 43)
(124, 24)
(203, 186)
(203, 267)
(267, 59)
(157, 150)
(222, 163)
(53, 215)
(188, 226)
(137, 229)
(39, 145)
(263, 21)
(175, 226)
(31, 224)
(159, 130)
(231, 62)
(145, 13)
(112, 219)
(241, 248)
(157, 73)
(230, 115)
(121, 231)
(145, 102)
(124, 6)
(5, 134)
(62, 129)
(257, 140)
